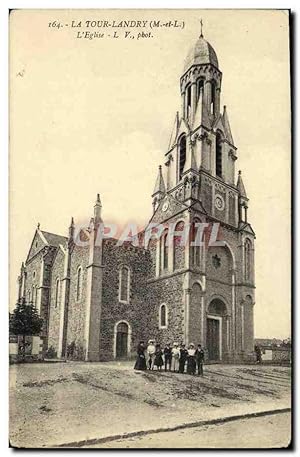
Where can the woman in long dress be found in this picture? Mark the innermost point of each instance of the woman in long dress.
(158, 360)
(191, 360)
(175, 358)
(140, 363)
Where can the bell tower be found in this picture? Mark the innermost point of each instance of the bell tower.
(214, 282)
(201, 156)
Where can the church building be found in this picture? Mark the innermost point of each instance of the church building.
(99, 300)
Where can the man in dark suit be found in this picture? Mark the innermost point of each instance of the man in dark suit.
(168, 356)
(199, 359)
(183, 358)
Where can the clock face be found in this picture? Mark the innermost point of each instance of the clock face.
(165, 206)
(219, 202)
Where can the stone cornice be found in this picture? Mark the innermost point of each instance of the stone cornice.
(200, 66)
(168, 275)
(245, 284)
(95, 265)
(208, 279)
(219, 180)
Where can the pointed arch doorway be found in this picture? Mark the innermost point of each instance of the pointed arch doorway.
(216, 329)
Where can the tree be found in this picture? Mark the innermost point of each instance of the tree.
(287, 342)
(25, 321)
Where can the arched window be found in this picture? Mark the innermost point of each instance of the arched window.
(57, 287)
(182, 155)
(247, 250)
(163, 316)
(195, 248)
(179, 243)
(219, 155)
(188, 99)
(29, 296)
(124, 284)
(34, 295)
(213, 97)
(79, 284)
(200, 85)
(165, 251)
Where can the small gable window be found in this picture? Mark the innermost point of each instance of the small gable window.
(124, 284)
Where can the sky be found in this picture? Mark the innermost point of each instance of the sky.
(89, 116)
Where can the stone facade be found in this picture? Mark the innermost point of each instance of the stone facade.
(99, 299)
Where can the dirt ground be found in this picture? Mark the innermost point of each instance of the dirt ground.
(261, 432)
(59, 403)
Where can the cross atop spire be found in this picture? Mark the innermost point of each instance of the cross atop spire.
(201, 28)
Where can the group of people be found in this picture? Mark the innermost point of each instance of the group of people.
(176, 358)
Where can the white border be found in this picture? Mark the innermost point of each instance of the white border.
(85, 4)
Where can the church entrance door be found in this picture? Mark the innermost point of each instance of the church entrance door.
(213, 339)
(122, 341)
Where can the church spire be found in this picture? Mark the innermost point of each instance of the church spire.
(71, 229)
(97, 209)
(174, 132)
(243, 199)
(240, 186)
(227, 125)
(159, 188)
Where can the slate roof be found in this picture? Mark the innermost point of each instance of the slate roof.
(53, 239)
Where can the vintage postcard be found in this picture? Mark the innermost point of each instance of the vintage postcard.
(150, 260)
